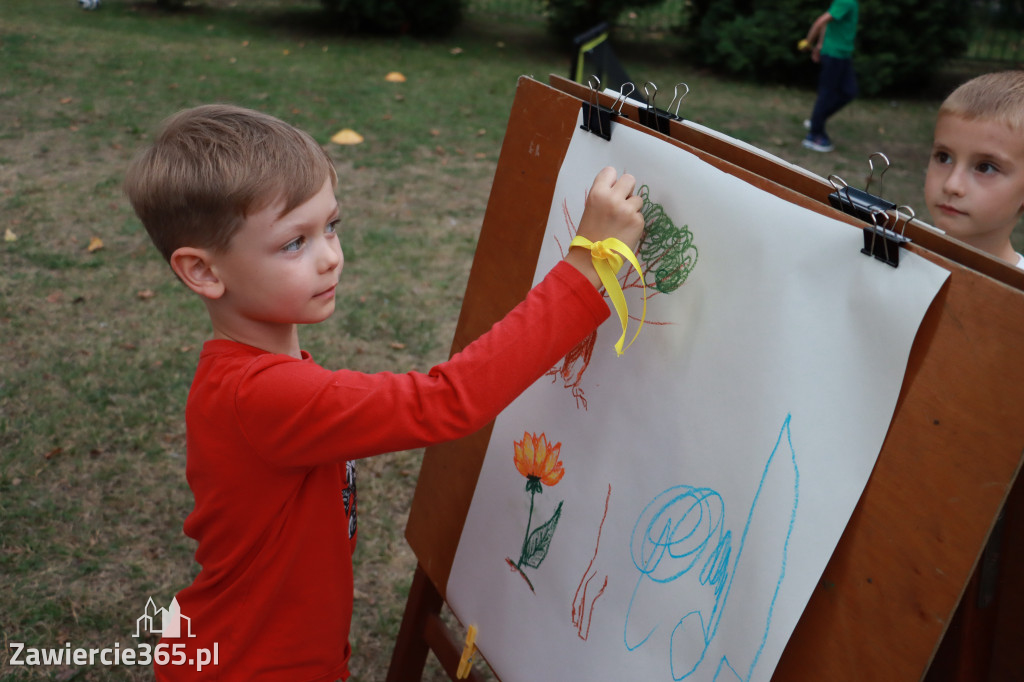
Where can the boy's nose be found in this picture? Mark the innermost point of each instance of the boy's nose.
(330, 254)
(954, 183)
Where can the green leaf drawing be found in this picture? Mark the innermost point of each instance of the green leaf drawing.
(540, 540)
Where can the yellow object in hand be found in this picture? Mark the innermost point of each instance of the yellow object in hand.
(803, 45)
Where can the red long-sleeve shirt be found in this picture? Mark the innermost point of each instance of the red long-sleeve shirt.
(271, 441)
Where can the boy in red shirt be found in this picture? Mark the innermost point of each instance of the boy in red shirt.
(242, 206)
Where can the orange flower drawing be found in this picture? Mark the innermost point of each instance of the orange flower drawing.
(537, 460)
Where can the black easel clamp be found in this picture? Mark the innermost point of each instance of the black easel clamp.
(881, 242)
(881, 238)
(597, 119)
(660, 119)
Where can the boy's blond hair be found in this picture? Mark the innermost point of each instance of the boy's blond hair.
(995, 97)
(212, 166)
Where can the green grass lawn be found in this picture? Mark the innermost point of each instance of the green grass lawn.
(98, 341)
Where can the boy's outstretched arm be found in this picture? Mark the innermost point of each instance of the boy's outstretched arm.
(816, 35)
(612, 210)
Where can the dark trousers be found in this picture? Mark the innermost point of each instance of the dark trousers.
(837, 86)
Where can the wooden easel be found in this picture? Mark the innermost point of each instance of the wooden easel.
(909, 555)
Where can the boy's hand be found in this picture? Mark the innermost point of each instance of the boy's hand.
(612, 210)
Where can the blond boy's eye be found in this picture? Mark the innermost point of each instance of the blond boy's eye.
(986, 167)
(332, 227)
(293, 245)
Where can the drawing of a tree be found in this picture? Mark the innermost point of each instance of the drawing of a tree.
(667, 255)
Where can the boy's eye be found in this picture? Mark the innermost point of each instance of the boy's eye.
(332, 227)
(986, 167)
(941, 157)
(294, 245)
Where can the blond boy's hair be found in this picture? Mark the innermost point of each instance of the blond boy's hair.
(212, 166)
(995, 97)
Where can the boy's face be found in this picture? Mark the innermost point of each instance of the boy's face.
(283, 269)
(975, 183)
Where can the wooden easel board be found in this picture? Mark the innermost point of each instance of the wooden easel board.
(951, 455)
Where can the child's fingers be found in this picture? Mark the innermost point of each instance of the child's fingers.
(625, 185)
(605, 178)
(619, 186)
(636, 203)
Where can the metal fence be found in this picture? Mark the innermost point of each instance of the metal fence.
(997, 25)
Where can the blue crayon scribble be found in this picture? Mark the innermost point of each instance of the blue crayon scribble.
(682, 533)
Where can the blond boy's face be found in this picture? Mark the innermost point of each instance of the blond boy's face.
(974, 188)
(283, 269)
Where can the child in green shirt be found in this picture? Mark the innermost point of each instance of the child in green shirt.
(831, 38)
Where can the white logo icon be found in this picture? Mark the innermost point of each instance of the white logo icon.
(167, 622)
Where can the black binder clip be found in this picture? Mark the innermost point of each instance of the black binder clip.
(861, 204)
(598, 119)
(659, 119)
(881, 240)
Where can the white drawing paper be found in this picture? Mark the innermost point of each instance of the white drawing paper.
(709, 472)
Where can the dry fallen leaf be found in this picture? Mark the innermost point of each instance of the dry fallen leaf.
(394, 77)
(455, 50)
(55, 297)
(9, 236)
(95, 244)
(397, 345)
(145, 294)
(346, 136)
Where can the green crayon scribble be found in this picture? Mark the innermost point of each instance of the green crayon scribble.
(667, 251)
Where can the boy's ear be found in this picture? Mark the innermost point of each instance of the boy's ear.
(194, 267)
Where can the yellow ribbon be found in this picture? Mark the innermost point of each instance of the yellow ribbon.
(607, 255)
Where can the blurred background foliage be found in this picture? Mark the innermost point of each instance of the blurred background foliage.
(902, 44)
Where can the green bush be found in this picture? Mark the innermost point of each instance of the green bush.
(416, 17)
(569, 18)
(900, 43)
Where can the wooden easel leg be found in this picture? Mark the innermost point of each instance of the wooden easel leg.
(423, 631)
(1007, 652)
(411, 649)
(983, 641)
